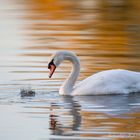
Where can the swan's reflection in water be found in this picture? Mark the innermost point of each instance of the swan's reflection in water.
(73, 109)
(96, 116)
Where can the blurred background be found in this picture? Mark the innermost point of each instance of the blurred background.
(105, 34)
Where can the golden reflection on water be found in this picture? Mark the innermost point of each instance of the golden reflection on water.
(100, 32)
(72, 119)
(104, 34)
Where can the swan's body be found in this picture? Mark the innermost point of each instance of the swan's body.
(109, 82)
(116, 81)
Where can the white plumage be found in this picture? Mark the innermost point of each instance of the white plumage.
(117, 81)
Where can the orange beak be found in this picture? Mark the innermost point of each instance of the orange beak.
(52, 69)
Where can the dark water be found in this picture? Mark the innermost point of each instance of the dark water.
(104, 34)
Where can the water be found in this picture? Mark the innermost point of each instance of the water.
(104, 34)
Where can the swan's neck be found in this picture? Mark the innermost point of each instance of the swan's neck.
(68, 85)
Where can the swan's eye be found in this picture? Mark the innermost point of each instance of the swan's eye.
(51, 63)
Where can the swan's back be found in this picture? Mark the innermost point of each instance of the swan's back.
(109, 82)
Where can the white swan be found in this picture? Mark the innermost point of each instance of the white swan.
(117, 81)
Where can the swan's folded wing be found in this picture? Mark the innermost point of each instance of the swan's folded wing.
(109, 82)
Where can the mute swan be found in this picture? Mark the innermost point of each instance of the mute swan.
(117, 81)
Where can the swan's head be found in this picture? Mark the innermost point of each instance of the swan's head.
(56, 60)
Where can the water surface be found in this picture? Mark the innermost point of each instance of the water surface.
(104, 34)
